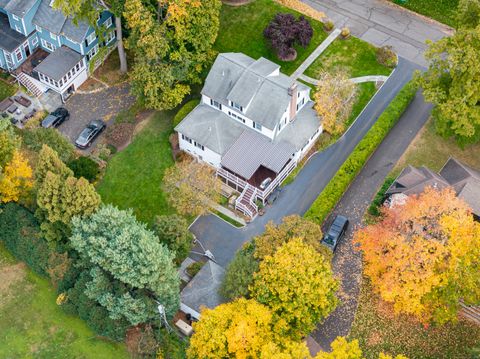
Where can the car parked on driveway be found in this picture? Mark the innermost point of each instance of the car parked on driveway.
(56, 118)
(335, 232)
(89, 133)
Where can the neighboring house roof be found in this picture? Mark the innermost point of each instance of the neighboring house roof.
(252, 150)
(463, 179)
(202, 290)
(55, 21)
(298, 132)
(59, 62)
(19, 7)
(211, 128)
(257, 85)
(9, 38)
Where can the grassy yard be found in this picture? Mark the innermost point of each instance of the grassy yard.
(6, 90)
(241, 30)
(365, 92)
(133, 176)
(33, 326)
(379, 330)
(430, 150)
(441, 10)
(354, 56)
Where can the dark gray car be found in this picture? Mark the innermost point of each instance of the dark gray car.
(89, 133)
(56, 118)
(335, 232)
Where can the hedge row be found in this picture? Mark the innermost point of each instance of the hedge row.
(332, 193)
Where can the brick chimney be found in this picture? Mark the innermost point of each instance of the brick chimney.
(293, 91)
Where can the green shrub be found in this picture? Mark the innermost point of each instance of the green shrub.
(194, 268)
(35, 138)
(386, 56)
(239, 274)
(84, 167)
(377, 202)
(332, 193)
(184, 111)
(20, 232)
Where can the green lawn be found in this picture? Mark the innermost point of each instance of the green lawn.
(365, 92)
(133, 176)
(354, 56)
(33, 326)
(6, 90)
(431, 150)
(378, 330)
(241, 30)
(440, 10)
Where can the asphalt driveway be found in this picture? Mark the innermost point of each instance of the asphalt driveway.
(103, 105)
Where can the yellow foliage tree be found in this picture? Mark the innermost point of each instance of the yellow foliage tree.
(240, 329)
(341, 349)
(298, 285)
(191, 187)
(16, 178)
(334, 100)
(424, 255)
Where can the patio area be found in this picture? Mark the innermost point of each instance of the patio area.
(31, 62)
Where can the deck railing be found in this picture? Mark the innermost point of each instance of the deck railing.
(242, 207)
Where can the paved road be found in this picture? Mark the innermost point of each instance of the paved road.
(223, 240)
(355, 201)
(381, 23)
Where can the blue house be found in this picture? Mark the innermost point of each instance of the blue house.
(45, 50)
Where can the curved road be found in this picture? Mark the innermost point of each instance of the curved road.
(223, 240)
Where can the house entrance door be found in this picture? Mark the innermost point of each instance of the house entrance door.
(27, 49)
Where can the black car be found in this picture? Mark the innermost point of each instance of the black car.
(56, 118)
(86, 137)
(335, 232)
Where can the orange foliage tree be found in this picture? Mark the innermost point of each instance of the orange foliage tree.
(424, 255)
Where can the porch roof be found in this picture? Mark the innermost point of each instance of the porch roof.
(9, 38)
(59, 62)
(252, 150)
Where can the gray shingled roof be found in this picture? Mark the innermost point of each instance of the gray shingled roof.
(211, 128)
(54, 21)
(3, 3)
(19, 7)
(298, 132)
(414, 181)
(256, 83)
(202, 290)
(9, 38)
(59, 62)
(252, 150)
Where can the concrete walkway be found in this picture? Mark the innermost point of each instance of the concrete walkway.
(228, 213)
(380, 23)
(316, 53)
(371, 78)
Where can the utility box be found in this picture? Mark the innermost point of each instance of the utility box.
(184, 327)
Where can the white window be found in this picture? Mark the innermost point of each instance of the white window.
(199, 146)
(18, 28)
(18, 54)
(110, 37)
(257, 126)
(77, 66)
(69, 74)
(185, 138)
(34, 42)
(236, 105)
(91, 38)
(108, 23)
(216, 104)
(38, 28)
(9, 59)
(15, 17)
(53, 36)
(92, 52)
(48, 45)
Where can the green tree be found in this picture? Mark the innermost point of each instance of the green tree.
(169, 52)
(173, 231)
(468, 13)
(130, 268)
(291, 227)
(239, 274)
(298, 285)
(89, 10)
(451, 84)
(9, 142)
(48, 161)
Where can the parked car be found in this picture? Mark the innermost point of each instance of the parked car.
(86, 137)
(56, 118)
(265, 183)
(335, 232)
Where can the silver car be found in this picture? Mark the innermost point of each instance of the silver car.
(89, 133)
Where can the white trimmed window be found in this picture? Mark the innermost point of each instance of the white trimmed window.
(53, 36)
(108, 23)
(15, 17)
(18, 29)
(48, 45)
(19, 54)
(92, 52)
(257, 126)
(91, 38)
(216, 104)
(110, 36)
(34, 41)
(38, 28)
(185, 138)
(199, 146)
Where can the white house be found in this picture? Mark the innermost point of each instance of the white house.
(253, 123)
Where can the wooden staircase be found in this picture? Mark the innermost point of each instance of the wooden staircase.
(32, 85)
(246, 202)
(471, 312)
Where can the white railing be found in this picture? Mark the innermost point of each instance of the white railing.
(242, 207)
(262, 195)
(231, 178)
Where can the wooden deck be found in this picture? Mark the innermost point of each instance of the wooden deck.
(31, 62)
